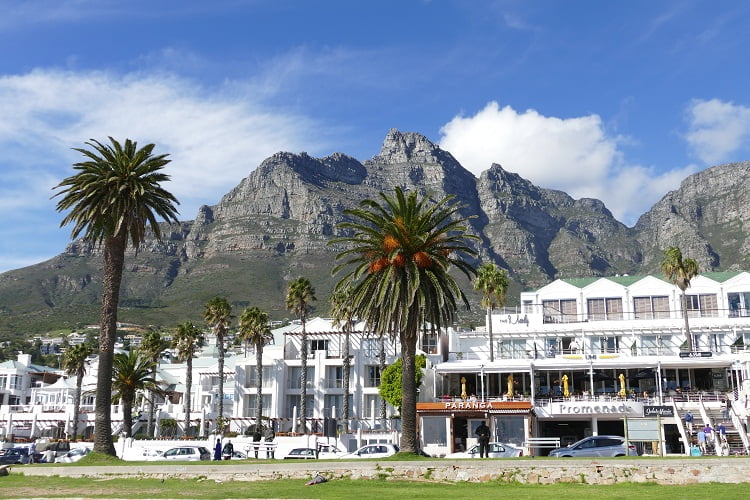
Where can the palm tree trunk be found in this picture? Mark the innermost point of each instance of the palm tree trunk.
(489, 329)
(381, 368)
(259, 394)
(687, 323)
(220, 419)
(127, 417)
(346, 365)
(408, 397)
(151, 396)
(77, 407)
(188, 388)
(303, 380)
(114, 258)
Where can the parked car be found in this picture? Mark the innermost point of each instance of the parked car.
(14, 456)
(300, 453)
(374, 451)
(496, 450)
(189, 453)
(73, 455)
(596, 446)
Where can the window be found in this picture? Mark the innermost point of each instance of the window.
(372, 376)
(605, 309)
(318, 345)
(528, 307)
(739, 304)
(3, 381)
(510, 429)
(429, 342)
(250, 405)
(370, 401)
(334, 377)
(560, 311)
(702, 306)
(334, 405)
(251, 376)
(371, 347)
(434, 431)
(609, 344)
(294, 400)
(16, 382)
(652, 307)
(651, 345)
(295, 377)
(513, 349)
(717, 342)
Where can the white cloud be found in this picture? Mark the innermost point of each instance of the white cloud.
(214, 140)
(575, 155)
(717, 129)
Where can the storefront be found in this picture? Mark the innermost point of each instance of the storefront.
(450, 425)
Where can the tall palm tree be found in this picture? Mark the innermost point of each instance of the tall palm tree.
(680, 271)
(401, 250)
(254, 330)
(218, 314)
(493, 282)
(74, 364)
(298, 297)
(152, 346)
(188, 339)
(131, 374)
(343, 316)
(114, 196)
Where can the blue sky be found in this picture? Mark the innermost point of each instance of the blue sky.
(614, 100)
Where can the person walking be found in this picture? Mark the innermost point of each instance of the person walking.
(483, 436)
(702, 441)
(217, 449)
(228, 450)
(689, 422)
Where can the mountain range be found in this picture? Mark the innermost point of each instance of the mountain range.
(275, 225)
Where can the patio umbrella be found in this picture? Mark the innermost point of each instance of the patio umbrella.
(566, 392)
(622, 385)
(510, 385)
(463, 387)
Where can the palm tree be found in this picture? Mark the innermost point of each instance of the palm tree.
(218, 313)
(254, 330)
(114, 196)
(187, 340)
(152, 346)
(401, 251)
(493, 282)
(74, 364)
(132, 373)
(298, 297)
(680, 271)
(343, 316)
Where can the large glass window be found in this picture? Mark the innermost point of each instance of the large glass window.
(371, 347)
(335, 403)
(372, 376)
(739, 304)
(652, 307)
(251, 376)
(702, 306)
(293, 400)
(250, 402)
(513, 349)
(3, 381)
(295, 377)
(334, 377)
(510, 429)
(434, 431)
(604, 309)
(560, 311)
(16, 381)
(609, 344)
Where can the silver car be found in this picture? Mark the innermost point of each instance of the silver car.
(596, 446)
(495, 450)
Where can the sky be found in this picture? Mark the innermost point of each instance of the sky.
(615, 100)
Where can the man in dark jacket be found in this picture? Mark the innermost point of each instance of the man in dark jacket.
(483, 436)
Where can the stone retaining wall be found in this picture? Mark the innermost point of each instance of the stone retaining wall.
(540, 471)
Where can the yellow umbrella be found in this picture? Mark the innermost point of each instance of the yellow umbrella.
(622, 385)
(463, 387)
(510, 385)
(566, 392)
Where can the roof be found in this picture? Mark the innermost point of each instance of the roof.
(627, 280)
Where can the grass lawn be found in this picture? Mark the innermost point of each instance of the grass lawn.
(18, 486)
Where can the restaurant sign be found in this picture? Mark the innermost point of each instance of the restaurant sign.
(658, 411)
(619, 408)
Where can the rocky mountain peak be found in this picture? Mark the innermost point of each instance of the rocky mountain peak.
(406, 147)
